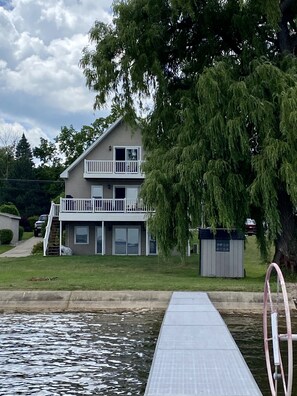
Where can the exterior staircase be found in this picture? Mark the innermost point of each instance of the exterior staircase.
(53, 247)
(51, 240)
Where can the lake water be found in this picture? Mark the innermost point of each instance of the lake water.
(76, 354)
(247, 331)
(98, 354)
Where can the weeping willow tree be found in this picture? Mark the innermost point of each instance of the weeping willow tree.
(220, 135)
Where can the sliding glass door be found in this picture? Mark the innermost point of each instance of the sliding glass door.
(127, 240)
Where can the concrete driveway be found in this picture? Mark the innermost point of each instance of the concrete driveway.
(23, 248)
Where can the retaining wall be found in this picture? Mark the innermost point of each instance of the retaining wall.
(93, 301)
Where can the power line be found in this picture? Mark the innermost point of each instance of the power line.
(33, 181)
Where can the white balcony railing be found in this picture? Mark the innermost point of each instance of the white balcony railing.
(112, 167)
(95, 205)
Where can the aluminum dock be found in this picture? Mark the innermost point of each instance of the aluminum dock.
(196, 354)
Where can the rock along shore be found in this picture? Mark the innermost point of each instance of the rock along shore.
(102, 301)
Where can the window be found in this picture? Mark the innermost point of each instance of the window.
(132, 154)
(222, 245)
(126, 195)
(81, 235)
(126, 240)
(152, 244)
(132, 193)
(97, 192)
(99, 240)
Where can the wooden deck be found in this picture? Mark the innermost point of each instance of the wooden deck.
(196, 354)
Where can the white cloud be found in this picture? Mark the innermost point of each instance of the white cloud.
(12, 132)
(41, 85)
(26, 45)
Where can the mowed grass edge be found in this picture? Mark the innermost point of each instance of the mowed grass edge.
(125, 273)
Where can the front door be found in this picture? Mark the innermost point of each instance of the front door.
(120, 157)
(120, 195)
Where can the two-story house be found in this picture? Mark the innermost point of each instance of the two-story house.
(102, 212)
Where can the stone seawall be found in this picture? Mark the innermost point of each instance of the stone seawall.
(96, 301)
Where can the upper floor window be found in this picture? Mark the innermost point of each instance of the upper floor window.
(127, 153)
(127, 159)
(97, 191)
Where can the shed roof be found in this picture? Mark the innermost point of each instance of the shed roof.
(11, 216)
(220, 233)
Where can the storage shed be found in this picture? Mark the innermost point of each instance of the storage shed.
(221, 253)
(12, 223)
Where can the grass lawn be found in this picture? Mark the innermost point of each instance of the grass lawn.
(27, 235)
(5, 248)
(124, 273)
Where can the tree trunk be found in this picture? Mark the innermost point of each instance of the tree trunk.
(286, 244)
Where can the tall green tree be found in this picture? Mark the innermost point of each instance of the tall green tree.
(221, 136)
(73, 143)
(23, 166)
(47, 153)
(49, 169)
(22, 188)
(6, 159)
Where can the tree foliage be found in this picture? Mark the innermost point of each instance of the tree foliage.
(73, 143)
(22, 167)
(9, 208)
(221, 134)
(47, 153)
(28, 187)
(30, 178)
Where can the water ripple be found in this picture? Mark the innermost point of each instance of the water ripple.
(76, 354)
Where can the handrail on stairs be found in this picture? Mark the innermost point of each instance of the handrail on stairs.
(54, 212)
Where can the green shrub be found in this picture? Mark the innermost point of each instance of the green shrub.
(6, 236)
(56, 200)
(37, 248)
(32, 220)
(21, 232)
(9, 208)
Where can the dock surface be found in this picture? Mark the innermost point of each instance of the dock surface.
(196, 354)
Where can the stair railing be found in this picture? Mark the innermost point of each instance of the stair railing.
(54, 212)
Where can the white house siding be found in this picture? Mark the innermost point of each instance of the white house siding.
(11, 222)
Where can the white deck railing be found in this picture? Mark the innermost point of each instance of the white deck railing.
(83, 205)
(112, 167)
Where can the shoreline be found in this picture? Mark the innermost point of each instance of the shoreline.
(117, 301)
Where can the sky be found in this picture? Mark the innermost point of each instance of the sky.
(42, 87)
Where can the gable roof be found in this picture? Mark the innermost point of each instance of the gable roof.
(65, 173)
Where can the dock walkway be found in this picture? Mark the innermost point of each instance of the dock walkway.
(196, 354)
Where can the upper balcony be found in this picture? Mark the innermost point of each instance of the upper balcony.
(113, 169)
